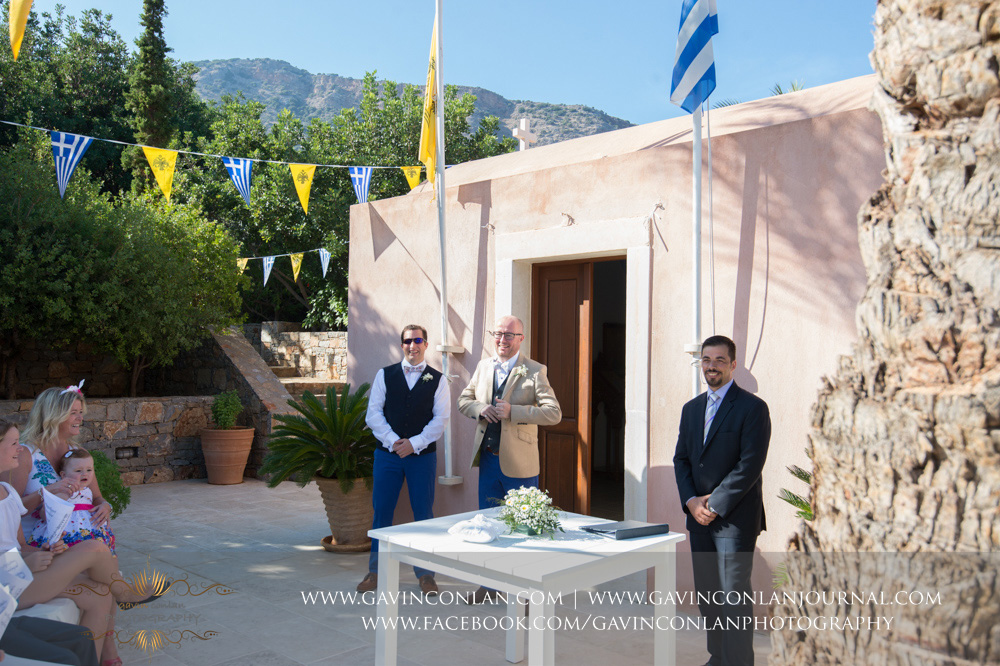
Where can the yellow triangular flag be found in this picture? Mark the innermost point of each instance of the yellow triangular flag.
(302, 176)
(19, 10)
(242, 264)
(428, 126)
(296, 265)
(412, 175)
(162, 163)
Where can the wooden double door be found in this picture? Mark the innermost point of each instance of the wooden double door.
(562, 321)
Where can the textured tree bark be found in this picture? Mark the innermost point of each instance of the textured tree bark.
(906, 436)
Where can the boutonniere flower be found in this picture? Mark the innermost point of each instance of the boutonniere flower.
(426, 377)
(520, 371)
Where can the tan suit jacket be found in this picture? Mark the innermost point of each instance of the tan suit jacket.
(532, 403)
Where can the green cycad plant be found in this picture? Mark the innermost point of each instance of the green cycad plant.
(329, 440)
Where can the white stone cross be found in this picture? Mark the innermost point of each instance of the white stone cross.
(524, 135)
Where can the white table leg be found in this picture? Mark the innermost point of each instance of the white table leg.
(388, 611)
(664, 585)
(541, 638)
(515, 635)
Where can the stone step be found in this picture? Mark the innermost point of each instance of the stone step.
(299, 385)
(283, 371)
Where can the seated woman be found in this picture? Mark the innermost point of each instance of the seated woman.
(53, 423)
(57, 576)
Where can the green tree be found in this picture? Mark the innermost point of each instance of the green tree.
(174, 280)
(383, 131)
(150, 95)
(70, 76)
(52, 253)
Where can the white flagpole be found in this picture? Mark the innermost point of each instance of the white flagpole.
(444, 347)
(696, 245)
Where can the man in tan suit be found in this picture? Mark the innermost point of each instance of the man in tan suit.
(509, 395)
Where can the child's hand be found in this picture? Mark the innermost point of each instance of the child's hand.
(58, 547)
(38, 560)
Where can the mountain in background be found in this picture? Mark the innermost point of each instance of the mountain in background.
(278, 85)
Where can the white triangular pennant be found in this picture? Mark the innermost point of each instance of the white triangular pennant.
(324, 258)
(268, 264)
(361, 177)
(240, 170)
(67, 149)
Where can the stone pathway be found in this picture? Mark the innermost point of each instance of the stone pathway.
(248, 554)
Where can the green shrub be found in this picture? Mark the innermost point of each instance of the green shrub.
(109, 480)
(328, 440)
(225, 408)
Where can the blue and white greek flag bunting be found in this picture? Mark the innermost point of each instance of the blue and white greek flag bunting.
(694, 66)
(324, 258)
(268, 264)
(67, 150)
(361, 177)
(240, 169)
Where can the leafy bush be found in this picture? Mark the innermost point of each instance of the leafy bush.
(109, 480)
(331, 441)
(225, 408)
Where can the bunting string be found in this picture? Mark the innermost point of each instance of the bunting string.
(68, 149)
(192, 152)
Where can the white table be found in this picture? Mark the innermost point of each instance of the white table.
(539, 568)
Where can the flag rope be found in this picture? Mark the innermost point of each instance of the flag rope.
(192, 152)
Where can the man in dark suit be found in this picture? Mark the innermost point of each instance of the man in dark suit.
(720, 454)
(408, 408)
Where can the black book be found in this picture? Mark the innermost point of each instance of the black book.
(628, 529)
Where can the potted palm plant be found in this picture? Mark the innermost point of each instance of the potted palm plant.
(331, 445)
(226, 446)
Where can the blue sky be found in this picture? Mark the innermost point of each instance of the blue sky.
(566, 51)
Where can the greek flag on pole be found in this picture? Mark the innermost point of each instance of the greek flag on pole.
(694, 66)
(268, 265)
(361, 177)
(239, 169)
(67, 149)
(324, 258)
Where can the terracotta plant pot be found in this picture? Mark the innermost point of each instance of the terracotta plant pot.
(226, 454)
(350, 515)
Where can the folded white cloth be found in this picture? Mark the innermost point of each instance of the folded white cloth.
(479, 529)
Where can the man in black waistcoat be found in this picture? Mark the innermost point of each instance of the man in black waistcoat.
(408, 408)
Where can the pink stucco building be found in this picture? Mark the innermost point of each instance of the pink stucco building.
(589, 242)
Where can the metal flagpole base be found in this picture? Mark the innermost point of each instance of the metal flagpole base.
(450, 480)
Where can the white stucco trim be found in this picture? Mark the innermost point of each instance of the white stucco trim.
(632, 238)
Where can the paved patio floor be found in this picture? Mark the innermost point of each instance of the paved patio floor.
(249, 553)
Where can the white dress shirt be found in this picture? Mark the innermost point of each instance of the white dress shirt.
(432, 431)
(503, 368)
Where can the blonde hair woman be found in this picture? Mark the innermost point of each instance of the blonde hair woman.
(53, 426)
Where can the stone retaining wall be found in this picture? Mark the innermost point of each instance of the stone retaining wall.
(152, 439)
(317, 354)
(41, 367)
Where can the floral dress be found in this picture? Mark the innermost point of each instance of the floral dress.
(33, 523)
(80, 526)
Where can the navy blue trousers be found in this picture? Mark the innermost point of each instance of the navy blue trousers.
(494, 484)
(390, 472)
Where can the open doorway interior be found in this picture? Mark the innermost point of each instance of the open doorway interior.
(607, 430)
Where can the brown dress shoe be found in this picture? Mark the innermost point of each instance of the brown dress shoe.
(485, 595)
(427, 585)
(369, 584)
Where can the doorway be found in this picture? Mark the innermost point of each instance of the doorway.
(578, 331)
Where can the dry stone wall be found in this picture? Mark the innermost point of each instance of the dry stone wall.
(317, 354)
(152, 439)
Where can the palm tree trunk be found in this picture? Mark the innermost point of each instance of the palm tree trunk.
(906, 438)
